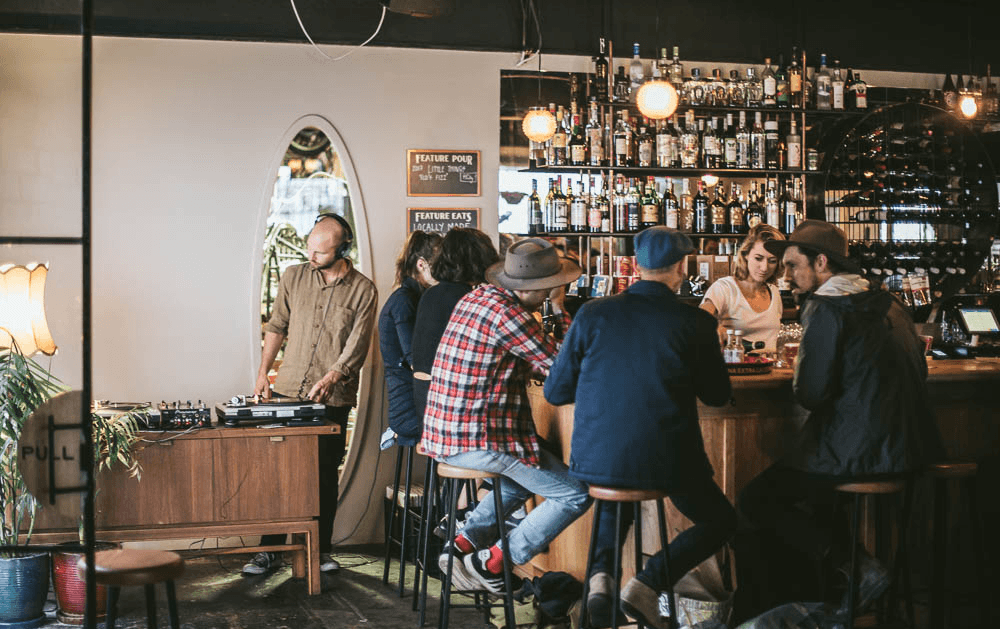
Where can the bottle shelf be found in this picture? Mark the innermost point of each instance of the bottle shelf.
(672, 172)
(729, 109)
(628, 234)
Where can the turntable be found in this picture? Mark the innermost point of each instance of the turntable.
(248, 410)
(147, 416)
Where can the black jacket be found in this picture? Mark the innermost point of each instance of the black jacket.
(861, 372)
(395, 334)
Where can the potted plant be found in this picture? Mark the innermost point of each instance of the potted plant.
(24, 576)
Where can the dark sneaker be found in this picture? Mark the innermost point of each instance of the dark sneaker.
(641, 602)
(875, 580)
(601, 600)
(472, 573)
(261, 563)
(328, 563)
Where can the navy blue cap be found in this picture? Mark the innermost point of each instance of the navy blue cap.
(659, 247)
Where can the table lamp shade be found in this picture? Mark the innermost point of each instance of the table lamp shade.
(22, 309)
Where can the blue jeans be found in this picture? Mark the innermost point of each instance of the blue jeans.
(566, 499)
(702, 502)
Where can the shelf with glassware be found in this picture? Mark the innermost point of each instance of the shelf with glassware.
(913, 188)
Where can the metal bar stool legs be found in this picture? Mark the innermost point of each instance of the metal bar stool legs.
(394, 507)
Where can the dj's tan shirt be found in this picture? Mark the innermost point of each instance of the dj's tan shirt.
(328, 326)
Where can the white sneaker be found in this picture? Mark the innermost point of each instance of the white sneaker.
(328, 563)
(262, 563)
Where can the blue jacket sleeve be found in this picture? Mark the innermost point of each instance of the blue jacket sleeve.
(404, 316)
(560, 385)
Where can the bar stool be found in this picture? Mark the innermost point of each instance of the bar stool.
(965, 473)
(455, 476)
(405, 525)
(129, 567)
(882, 488)
(636, 497)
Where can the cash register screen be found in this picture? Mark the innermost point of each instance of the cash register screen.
(979, 320)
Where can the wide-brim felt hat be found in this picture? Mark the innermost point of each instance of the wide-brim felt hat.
(821, 237)
(532, 264)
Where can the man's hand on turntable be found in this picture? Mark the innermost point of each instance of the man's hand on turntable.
(263, 387)
(322, 389)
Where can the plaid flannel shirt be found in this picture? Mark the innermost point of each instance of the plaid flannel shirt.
(478, 396)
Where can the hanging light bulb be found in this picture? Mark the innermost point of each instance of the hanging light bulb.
(710, 180)
(968, 105)
(539, 124)
(656, 99)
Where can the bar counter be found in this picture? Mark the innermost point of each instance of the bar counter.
(750, 433)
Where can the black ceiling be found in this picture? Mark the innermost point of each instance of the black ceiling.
(919, 35)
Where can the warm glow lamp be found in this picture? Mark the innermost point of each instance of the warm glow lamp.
(656, 99)
(710, 180)
(539, 124)
(22, 309)
(968, 105)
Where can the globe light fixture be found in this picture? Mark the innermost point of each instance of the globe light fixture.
(968, 106)
(539, 124)
(656, 99)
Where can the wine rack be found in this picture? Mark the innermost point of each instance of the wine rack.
(915, 191)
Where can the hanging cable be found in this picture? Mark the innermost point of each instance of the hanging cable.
(349, 52)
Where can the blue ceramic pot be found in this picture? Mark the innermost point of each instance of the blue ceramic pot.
(24, 581)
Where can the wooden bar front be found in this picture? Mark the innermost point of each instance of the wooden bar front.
(750, 433)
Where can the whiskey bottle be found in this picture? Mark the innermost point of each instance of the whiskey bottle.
(670, 206)
(755, 212)
(594, 210)
(685, 209)
(719, 214)
(690, 143)
(702, 212)
(602, 203)
(735, 211)
(535, 225)
(860, 93)
(633, 203)
(769, 84)
(620, 205)
(599, 81)
(595, 136)
(621, 87)
(560, 209)
(676, 72)
(781, 96)
(644, 146)
(709, 145)
(560, 141)
(622, 140)
(664, 146)
(549, 211)
(771, 143)
(795, 81)
(578, 210)
(650, 210)
(577, 144)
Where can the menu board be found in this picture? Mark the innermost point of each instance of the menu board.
(440, 220)
(442, 173)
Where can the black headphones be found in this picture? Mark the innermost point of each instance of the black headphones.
(345, 246)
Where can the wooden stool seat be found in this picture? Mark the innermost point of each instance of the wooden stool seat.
(618, 494)
(131, 567)
(874, 487)
(450, 471)
(953, 470)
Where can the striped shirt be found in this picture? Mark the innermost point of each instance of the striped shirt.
(478, 397)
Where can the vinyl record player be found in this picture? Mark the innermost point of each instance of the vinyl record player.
(147, 416)
(247, 410)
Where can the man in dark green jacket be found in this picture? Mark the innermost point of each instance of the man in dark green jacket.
(861, 373)
(634, 365)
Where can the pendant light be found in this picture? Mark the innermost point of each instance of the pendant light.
(656, 98)
(538, 124)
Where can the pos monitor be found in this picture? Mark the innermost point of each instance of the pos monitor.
(978, 320)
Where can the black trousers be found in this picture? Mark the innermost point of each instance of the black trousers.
(332, 449)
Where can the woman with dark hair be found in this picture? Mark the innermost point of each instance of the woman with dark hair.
(461, 265)
(748, 300)
(395, 331)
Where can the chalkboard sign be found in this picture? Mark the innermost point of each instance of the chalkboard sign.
(442, 173)
(440, 220)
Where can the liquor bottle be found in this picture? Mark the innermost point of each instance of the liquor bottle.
(599, 81)
(535, 225)
(702, 211)
(772, 211)
(792, 207)
(675, 143)
(743, 149)
(837, 87)
(755, 211)
(595, 136)
(685, 208)
(716, 94)
(662, 65)
(781, 96)
(663, 145)
(709, 145)
(824, 85)
(676, 73)
(644, 145)
(602, 203)
(560, 209)
(735, 211)
(650, 210)
(671, 207)
(633, 203)
(771, 144)
(793, 144)
(609, 139)
(562, 221)
(860, 93)
(577, 144)
(719, 213)
(636, 72)
(620, 205)
(578, 210)
(757, 154)
(690, 143)
(795, 80)
(768, 84)
(754, 89)
(949, 93)
(593, 209)
(574, 91)
(549, 211)
(560, 141)
(729, 144)
(737, 90)
(621, 87)
(623, 140)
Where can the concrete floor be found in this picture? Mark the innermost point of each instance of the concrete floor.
(213, 595)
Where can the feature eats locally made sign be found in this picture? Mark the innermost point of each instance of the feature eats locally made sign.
(442, 173)
(439, 220)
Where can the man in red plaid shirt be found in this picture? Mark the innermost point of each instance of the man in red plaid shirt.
(478, 416)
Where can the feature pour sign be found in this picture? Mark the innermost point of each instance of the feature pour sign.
(442, 173)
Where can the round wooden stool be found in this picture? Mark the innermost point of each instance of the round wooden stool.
(876, 489)
(130, 567)
(965, 473)
(455, 477)
(405, 512)
(636, 497)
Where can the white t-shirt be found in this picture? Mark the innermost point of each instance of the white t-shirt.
(735, 313)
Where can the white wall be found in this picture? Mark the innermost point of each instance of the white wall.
(187, 137)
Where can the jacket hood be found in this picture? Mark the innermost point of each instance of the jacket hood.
(874, 301)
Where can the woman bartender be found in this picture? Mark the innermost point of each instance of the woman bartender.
(748, 300)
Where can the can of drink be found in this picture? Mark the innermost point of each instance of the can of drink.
(623, 266)
(621, 283)
(812, 159)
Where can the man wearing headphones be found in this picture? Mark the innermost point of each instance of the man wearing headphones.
(326, 310)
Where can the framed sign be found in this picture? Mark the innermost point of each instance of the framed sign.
(442, 173)
(440, 220)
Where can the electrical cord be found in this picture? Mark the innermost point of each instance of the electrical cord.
(349, 52)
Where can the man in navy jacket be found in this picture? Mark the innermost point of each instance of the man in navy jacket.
(634, 364)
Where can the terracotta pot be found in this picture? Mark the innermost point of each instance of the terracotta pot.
(71, 592)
